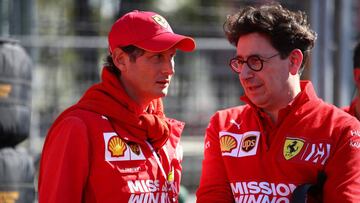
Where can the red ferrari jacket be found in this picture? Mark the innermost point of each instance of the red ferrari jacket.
(351, 109)
(249, 159)
(104, 150)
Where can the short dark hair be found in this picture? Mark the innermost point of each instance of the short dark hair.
(285, 29)
(356, 57)
(133, 52)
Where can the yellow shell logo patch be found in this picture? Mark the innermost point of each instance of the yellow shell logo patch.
(116, 146)
(292, 147)
(161, 21)
(227, 143)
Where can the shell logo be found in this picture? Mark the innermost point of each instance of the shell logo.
(227, 143)
(116, 146)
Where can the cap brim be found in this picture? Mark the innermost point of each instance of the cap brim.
(165, 41)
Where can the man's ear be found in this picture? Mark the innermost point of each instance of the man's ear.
(295, 59)
(119, 58)
(357, 76)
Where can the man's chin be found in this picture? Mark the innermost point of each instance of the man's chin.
(164, 94)
(160, 94)
(258, 102)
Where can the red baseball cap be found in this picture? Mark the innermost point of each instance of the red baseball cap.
(148, 31)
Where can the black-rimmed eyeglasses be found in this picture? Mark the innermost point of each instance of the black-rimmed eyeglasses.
(254, 62)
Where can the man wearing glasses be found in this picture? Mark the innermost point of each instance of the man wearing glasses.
(285, 144)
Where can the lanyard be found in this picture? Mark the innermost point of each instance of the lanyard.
(157, 159)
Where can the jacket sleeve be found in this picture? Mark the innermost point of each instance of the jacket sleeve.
(343, 168)
(64, 165)
(214, 184)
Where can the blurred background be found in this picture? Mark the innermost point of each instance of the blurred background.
(67, 43)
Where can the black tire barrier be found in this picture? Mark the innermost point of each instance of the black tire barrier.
(15, 93)
(16, 176)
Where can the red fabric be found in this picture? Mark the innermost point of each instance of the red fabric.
(352, 108)
(152, 127)
(157, 129)
(240, 165)
(78, 163)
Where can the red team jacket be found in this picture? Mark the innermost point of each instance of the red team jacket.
(249, 159)
(351, 109)
(86, 159)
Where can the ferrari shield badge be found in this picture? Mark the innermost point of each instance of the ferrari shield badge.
(161, 21)
(292, 147)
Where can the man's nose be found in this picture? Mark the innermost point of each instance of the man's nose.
(169, 67)
(246, 72)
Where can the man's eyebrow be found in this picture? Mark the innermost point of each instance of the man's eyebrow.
(240, 56)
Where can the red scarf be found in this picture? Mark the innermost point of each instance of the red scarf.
(109, 98)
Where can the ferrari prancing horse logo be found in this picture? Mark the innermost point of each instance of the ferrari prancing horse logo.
(292, 147)
(161, 21)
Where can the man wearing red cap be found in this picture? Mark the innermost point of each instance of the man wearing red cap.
(115, 144)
